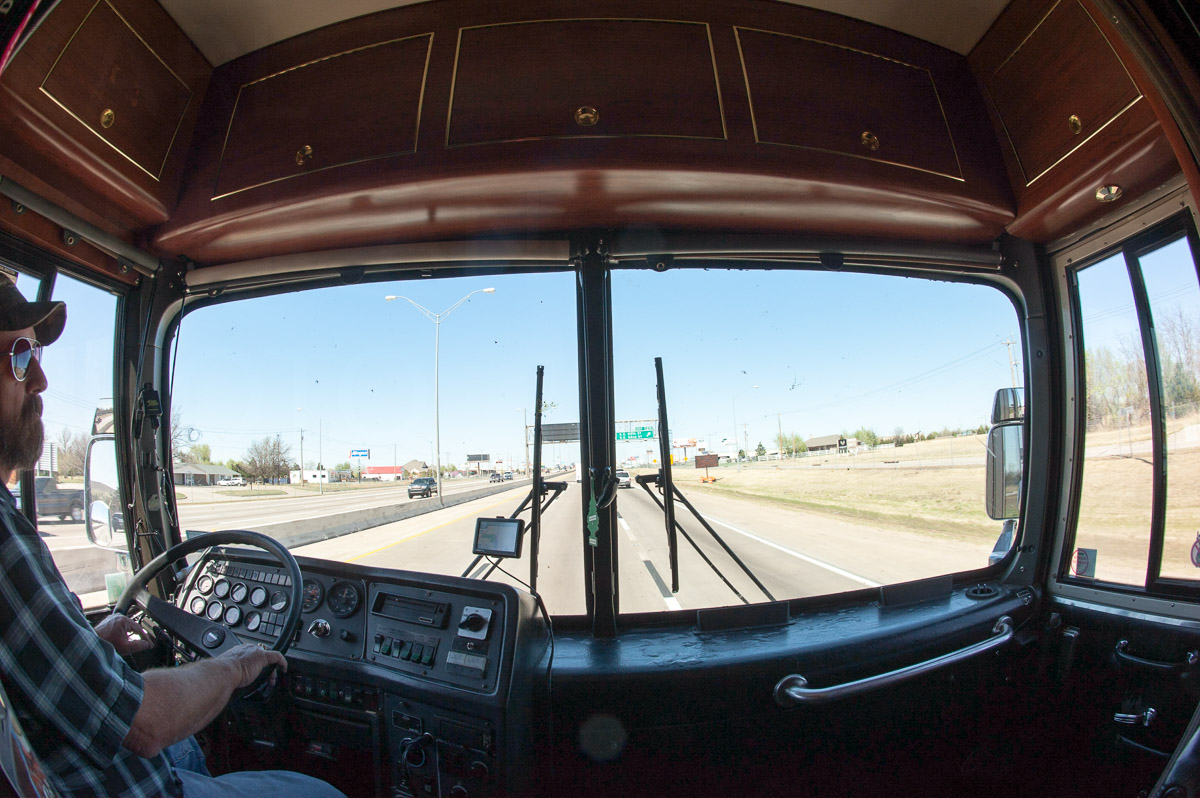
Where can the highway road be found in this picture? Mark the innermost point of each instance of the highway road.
(791, 553)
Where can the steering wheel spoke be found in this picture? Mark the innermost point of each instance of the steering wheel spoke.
(202, 636)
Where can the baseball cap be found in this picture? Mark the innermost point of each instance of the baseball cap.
(16, 313)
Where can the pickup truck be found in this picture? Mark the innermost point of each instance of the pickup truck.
(53, 500)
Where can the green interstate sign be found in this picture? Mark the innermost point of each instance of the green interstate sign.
(640, 433)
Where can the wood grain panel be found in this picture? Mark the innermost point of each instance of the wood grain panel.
(808, 93)
(1063, 68)
(354, 106)
(106, 68)
(527, 80)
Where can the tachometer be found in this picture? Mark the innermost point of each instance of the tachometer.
(343, 599)
(313, 593)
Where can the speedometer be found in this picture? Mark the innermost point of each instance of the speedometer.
(313, 593)
(343, 599)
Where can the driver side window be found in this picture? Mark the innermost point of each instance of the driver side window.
(79, 371)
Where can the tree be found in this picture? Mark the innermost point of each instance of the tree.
(760, 450)
(72, 449)
(741, 454)
(866, 436)
(268, 458)
(343, 467)
(200, 453)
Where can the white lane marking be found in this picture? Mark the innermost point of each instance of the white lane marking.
(811, 560)
(671, 602)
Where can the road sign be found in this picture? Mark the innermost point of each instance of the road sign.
(479, 458)
(560, 433)
(360, 452)
(641, 433)
(706, 461)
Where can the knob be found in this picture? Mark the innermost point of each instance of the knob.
(319, 628)
(473, 622)
(346, 635)
(414, 749)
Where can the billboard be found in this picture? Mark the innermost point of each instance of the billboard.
(479, 458)
(360, 452)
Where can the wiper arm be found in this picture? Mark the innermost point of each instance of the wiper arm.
(667, 504)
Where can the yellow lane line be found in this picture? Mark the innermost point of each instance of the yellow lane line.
(426, 531)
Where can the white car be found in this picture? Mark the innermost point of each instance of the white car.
(235, 480)
(623, 480)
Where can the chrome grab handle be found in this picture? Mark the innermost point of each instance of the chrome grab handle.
(794, 690)
(1122, 654)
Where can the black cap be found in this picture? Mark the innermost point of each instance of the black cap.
(16, 313)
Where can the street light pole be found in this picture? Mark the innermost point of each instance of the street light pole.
(436, 318)
(733, 402)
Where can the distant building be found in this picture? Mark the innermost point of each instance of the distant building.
(310, 475)
(830, 442)
(384, 473)
(200, 473)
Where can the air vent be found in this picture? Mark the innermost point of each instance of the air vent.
(980, 592)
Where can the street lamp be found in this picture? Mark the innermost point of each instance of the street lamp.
(436, 318)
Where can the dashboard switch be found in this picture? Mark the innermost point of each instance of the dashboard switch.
(474, 623)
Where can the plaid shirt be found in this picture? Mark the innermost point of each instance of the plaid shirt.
(72, 692)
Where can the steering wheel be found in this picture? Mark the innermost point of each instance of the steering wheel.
(201, 635)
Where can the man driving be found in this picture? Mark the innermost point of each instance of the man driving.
(99, 727)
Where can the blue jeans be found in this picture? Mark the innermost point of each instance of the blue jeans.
(190, 768)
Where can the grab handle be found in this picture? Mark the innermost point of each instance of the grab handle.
(794, 690)
(1122, 654)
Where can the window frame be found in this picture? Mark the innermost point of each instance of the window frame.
(1167, 220)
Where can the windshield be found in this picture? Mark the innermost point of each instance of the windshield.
(827, 429)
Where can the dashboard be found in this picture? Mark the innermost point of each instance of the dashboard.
(399, 684)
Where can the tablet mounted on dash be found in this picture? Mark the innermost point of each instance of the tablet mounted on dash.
(499, 537)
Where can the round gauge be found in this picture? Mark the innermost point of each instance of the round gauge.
(279, 601)
(214, 610)
(233, 615)
(221, 588)
(253, 621)
(258, 596)
(238, 591)
(313, 593)
(205, 584)
(343, 599)
(199, 605)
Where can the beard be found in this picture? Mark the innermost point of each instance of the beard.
(21, 444)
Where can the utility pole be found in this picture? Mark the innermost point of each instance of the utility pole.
(1012, 362)
(302, 456)
(779, 420)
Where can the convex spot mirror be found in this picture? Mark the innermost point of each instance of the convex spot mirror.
(1009, 405)
(102, 524)
(1005, 444)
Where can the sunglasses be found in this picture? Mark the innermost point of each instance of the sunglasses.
(24, 352)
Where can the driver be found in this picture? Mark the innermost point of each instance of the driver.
(99, 727)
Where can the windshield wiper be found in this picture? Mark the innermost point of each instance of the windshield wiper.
(535, 500)
(670, 493)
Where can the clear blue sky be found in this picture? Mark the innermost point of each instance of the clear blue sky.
(828, 352)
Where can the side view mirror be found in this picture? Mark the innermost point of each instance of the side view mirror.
(1009, 405)
(1005, 447)
(100, 494)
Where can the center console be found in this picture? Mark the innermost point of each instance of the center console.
(399, 684)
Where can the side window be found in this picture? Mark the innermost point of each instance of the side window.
(79, 371)
(1139, 356)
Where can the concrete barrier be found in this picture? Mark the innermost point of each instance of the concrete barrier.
(300, 533)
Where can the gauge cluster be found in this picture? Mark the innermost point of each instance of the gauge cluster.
(252, 601)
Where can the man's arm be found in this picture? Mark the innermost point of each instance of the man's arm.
(182, 701)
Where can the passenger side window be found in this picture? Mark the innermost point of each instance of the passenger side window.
(1139, 356)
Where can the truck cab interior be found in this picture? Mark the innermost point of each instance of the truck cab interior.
(677, 230)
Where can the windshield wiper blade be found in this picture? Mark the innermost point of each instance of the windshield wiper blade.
(667, 504)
